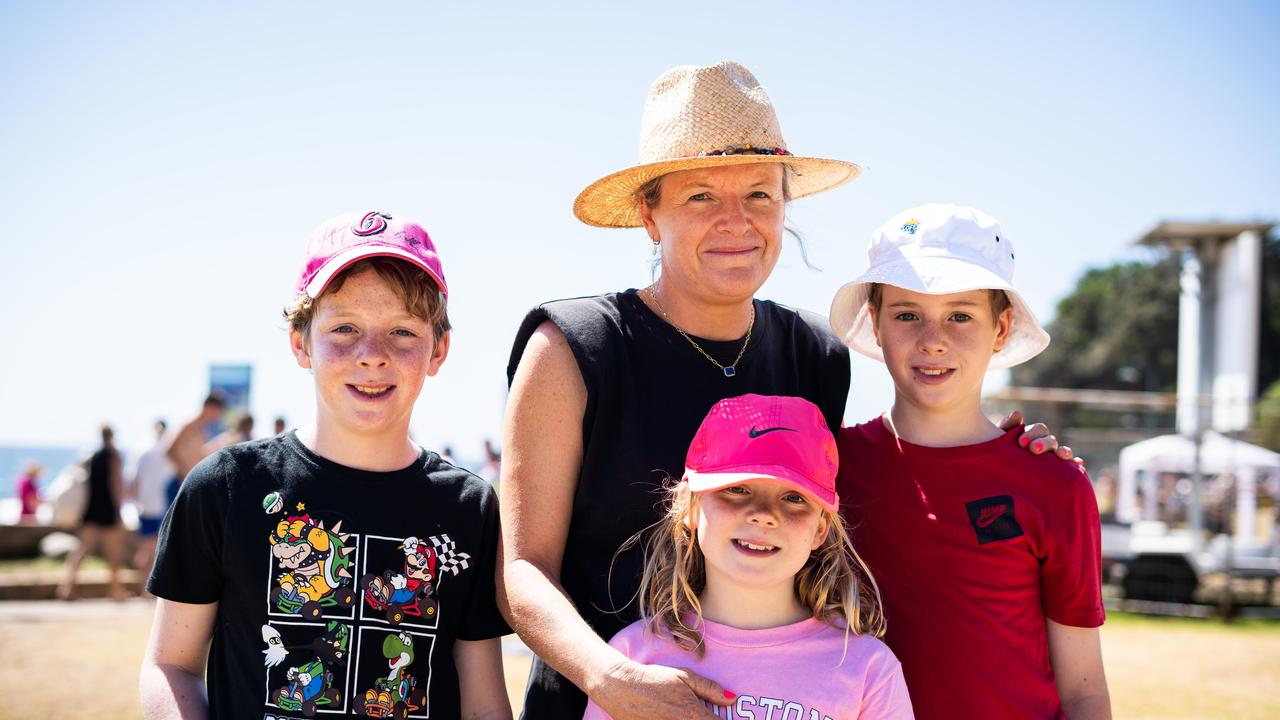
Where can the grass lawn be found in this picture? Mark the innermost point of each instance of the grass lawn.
(1156, 667)
(1177, 668)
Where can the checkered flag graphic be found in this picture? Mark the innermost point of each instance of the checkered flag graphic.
(451, 561)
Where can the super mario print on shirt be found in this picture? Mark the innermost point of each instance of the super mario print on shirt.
(363, 581)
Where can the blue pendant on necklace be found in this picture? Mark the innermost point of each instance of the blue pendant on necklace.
(730, 371)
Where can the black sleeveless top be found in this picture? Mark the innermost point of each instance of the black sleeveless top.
(102, 507)
(648, 389)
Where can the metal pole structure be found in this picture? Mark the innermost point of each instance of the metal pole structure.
(1226, 602)
(1190, 397)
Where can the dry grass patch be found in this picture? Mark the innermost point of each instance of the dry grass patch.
(1172, 668)
(80, 660)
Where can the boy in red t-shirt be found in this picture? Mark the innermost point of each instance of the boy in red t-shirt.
(987, 556)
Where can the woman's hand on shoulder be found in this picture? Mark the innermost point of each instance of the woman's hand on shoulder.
(1036, 438)
(635, 691)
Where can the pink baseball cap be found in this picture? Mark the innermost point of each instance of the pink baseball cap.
(345, 239)
(765, 437)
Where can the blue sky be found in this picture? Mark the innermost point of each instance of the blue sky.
(164, 162)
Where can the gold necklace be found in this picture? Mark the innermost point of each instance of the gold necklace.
(728, 370)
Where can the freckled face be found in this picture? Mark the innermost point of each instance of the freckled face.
(938, 347)
(369, 356)
(757, 534)
(720, 230)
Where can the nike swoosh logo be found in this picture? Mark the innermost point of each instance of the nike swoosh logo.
(754, 433)
(991, 514)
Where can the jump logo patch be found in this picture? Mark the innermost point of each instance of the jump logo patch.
(993, 519)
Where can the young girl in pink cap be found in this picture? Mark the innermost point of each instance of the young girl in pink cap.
(750, 579)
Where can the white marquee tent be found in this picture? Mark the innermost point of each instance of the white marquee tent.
(1145, 461)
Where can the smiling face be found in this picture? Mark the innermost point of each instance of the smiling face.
(720, 229)
(938, 347)
(369, 356)
(756, 536)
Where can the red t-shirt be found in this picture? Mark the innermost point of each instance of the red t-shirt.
(973, 547)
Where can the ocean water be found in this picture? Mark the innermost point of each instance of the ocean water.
(14, 458)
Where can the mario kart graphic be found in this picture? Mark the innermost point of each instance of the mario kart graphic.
(310, 686)
(314, 563)
(411, 590)
(397, 694)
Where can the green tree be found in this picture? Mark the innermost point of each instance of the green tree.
(1118, 330)
(1268, 409)
(1268, 418)
(1269, 332)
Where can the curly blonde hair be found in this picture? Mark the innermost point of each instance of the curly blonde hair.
(835, 584)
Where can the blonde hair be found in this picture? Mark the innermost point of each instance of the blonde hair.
(835, 584)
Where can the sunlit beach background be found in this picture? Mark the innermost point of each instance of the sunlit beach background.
(164, 163)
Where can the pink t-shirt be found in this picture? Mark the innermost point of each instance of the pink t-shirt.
(793, 672)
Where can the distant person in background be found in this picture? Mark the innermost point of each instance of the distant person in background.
(492, 469)
(186, 449)
(241, 431)
(100, 524)
(29, 492)
(149, 486)
(280, 425)
(447, 455)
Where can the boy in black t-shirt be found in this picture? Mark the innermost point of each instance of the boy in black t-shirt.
(338, 568)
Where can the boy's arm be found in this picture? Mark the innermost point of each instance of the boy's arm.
(1076, 656)
(171, 680)
(482, 685)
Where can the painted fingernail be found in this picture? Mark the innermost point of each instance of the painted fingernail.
(729, 696)
(1039, 446)
(1023, 441)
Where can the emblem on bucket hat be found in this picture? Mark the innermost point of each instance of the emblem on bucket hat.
(698, 117)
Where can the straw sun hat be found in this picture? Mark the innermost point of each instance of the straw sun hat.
(699, 117)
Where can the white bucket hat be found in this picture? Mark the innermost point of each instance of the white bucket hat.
(698, 117)
(938, 249)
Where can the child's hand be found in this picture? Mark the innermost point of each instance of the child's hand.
(634, 691)
(1036, 438)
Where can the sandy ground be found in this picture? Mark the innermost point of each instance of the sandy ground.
(80, 660)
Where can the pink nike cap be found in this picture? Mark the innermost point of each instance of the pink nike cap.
(765, 437)
(345, 239)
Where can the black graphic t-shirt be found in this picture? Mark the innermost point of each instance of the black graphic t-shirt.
(340, 592)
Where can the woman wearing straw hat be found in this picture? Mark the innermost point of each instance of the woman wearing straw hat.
(607, 391)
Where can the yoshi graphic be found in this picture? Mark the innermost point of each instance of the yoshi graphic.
(397, 694)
